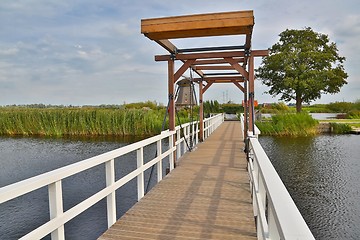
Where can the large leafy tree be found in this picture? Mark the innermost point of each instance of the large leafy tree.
(303, 65)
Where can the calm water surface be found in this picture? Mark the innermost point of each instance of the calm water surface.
(21, 158)
(322, 174)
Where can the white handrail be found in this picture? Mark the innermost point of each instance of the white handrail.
(277, 216)
(53, 179)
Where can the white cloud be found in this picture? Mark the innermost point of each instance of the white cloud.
(73, 50)
(9, 51)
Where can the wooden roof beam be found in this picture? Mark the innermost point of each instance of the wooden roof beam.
(259, 53)
(221, 78)
(207, 87)
(213, 67)
(214, 61)
(223, 81)
(199, 25)
(209, 55)
(171, 48)
(237, 67)
(239, 86)
(182, 69)
(248, 41)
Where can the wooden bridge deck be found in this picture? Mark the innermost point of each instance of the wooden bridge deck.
(206, 197)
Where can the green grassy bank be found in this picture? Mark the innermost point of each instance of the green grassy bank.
(289, 124)
(80, 121)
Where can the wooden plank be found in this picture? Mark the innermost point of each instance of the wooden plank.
(215, 24)
(171, 93)
(197, 17)
(239, 86)
(214, 67)
(224, 81)
(170, 47)
(180, 56)
(207, 87)
(215, 61)
(259, 53)
(182, 69)
(199, 33)
(220, 78)
(167, 45)
(237, 66)
(248, 41)
(213, 57)
(206, 197)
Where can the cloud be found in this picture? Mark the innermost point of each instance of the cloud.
(89, 52)
(9, 51)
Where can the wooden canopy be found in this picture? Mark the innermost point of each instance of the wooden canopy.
(199, 25)
(216, 64)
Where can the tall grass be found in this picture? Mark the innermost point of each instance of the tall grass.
(289, 124)
(80, 121)
(340, 128)
(354, 114)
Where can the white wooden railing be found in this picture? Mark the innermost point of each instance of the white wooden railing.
(277, 216)
(53, 179)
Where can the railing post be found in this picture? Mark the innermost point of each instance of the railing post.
(140, 177)
(159, 164)
(56, 208)
(111, 198)
(171, 156)
(207, 129)
(178, 145)
(273, 230)
(185, 139)
(273, 205)
(212, 125)
(197, 133)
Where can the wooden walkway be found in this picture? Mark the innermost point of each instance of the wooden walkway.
(206, 197)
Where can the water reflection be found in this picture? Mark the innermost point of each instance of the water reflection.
(321, 174)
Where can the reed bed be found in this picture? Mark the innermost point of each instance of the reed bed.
(340, 128)
(289, 124)
(80, 122)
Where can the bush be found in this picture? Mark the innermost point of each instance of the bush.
(340, 128)
(289, 124)
(276, 108)
(354, 114)
(340, 107)
(232, 108)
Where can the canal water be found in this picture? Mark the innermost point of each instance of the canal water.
(322, 175)
(21, 158)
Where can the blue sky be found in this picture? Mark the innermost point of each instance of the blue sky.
(92, 52)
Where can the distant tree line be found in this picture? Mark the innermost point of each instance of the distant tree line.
(215, 107)
(138, 105)
(349, 109)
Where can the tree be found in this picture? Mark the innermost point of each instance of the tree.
(302, 66)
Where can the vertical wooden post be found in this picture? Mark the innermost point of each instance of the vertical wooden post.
(251, 94)
(246, 122)
(171, 91)
(201, 113)
(171, 87)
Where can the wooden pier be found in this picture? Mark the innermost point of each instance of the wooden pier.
(206, 197)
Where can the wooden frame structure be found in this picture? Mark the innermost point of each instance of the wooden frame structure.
(219, 64)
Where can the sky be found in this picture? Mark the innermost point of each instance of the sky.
(91, 52)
